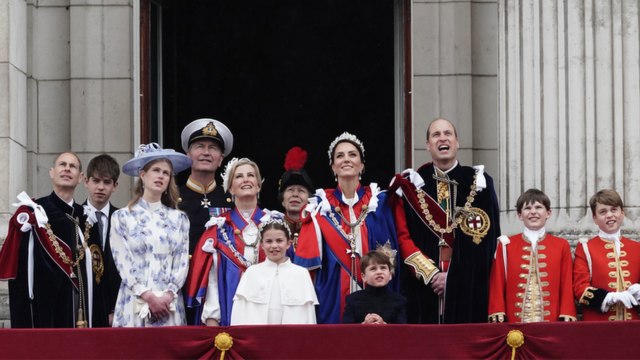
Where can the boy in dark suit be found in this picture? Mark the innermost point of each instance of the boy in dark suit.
(376, 304)
(101, 182)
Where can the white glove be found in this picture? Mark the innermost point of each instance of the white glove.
(635, 291)
(627, 299)
(612, 298)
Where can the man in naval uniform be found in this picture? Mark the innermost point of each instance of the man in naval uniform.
(207, 142)
(45, 255)
(447, 221)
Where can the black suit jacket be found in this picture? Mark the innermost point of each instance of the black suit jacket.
(105, 293)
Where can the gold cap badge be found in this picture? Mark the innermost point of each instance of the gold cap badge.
(209, 130)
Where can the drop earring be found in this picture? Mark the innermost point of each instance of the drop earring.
(360, 175)
(335, 176)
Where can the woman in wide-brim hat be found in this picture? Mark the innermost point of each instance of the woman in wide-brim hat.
(228, 247)
(149, 240)
(342, 224)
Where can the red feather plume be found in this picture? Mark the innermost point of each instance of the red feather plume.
(296, 158)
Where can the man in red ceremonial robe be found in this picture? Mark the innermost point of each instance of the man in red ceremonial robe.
(447, 221)
(44, 256)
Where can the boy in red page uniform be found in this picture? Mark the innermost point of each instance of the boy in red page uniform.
(531, 274)
(606, 270)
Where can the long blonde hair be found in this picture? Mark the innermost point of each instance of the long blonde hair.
(168, 198)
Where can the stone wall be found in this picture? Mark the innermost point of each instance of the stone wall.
(569, 90)
(66, 83)
(455, 77)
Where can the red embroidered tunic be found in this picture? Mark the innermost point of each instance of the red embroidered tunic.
(513, 285)
(599, 271)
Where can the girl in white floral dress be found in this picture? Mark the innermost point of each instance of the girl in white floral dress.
(150, 242)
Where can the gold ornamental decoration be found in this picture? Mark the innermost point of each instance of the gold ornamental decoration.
(223, 342)
(210, 129)
(515, 339)
(390, 252)
(476, 225)
(97, 262)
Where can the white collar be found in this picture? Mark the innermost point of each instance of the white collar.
(271, 264)
(352, 201)
(611, 237)
(615, 237)
(105, 209)
(533, 236)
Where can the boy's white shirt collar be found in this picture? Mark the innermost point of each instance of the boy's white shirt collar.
(105, 221)
(615, 237)
(104, 210)
(533, 236)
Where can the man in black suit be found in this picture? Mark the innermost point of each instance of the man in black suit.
(101, 182)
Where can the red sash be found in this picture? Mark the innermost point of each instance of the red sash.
(340, 245)
(9, 253)
(337, 241)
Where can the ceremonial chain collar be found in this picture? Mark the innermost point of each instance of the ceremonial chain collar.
(458, 219)
(238, 233)
(235, 252)
(351, 237)
(79, 248)
(352, 240)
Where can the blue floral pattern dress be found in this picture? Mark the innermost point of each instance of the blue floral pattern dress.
(150, 246)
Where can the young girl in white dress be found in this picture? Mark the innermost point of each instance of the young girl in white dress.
(275, 291)
(150, 242)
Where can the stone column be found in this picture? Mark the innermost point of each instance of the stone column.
(13, 105)
(101, 83)
(454, 76)
(48, 92)
(569, 102)
(13, 118)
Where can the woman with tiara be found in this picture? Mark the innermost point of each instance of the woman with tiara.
(340, 225)
(227, 248)
(150, 242)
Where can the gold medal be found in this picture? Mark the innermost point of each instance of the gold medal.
(476, 225)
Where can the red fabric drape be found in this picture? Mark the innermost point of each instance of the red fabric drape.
(581, 340)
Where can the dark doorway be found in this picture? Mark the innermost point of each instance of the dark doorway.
(281, 74)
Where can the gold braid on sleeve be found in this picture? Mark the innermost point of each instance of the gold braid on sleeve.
(497, 317)
(425, 268)
(568, 318)
(587, 294)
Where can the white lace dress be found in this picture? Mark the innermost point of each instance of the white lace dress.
(150, 246)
